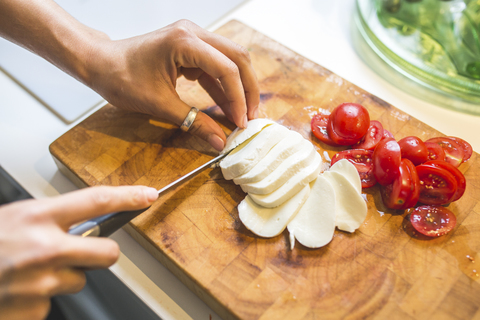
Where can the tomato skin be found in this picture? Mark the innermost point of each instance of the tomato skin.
(348, 123)
(401, 193)
(386, 161)
(413, 149)
(467, 148)
(435, 152)
(319, 129)
(459, 177)
(362, 160)
(454, 153)
(433, 221)
(437, 185)
(372, 137)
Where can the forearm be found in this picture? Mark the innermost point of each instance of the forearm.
(44, 28)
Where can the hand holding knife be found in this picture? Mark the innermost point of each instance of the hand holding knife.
(107, 224)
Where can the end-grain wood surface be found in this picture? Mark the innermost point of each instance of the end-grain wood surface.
(382, 271)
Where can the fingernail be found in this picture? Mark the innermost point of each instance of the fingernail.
(245, 121)
(152, 194)
(216, 142)
(255, 113)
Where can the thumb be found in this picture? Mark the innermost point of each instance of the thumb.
(203, 127)
(207, 129)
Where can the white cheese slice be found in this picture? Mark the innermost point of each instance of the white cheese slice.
(351, 208)
(280, 152)
(348, 170)
(285, 171)
(243, 159)
(240, 135)
(291, 187)
(314, 224)
(270, 222)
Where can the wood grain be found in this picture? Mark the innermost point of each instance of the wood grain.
(382, 271)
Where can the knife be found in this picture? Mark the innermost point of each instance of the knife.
(105, 225)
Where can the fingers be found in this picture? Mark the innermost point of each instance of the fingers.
(87, 253)
(46, 282)
(200, 54)
(240, 56)
(91, 202)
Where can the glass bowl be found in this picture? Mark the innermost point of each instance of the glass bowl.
(434, 42)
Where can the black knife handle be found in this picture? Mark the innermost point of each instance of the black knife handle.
(106, 224)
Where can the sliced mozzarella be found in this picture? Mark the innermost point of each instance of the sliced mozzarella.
(351, 208)
(285, 171)
(280, 152)
(249, 153)
(291, 187)
(348, 170)
(270, 222)
(240, 135)
(314, 224)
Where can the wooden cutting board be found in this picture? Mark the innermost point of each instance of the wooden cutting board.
(381, 271)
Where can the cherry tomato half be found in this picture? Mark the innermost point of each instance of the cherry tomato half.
(433, 221)
(461, 182)
(437, 185)
(435, 152)
(467, 148)
(405, 188)
(362, 160)
(348, 123)
(413, 149)
(386, 161)
(414, 186)
(319, 128)
(454, 153)
(372, 137)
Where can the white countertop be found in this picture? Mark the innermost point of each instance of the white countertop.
(323, 31)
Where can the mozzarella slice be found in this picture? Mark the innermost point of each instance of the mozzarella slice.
(348, 170)
(285, 171)
(243, 159)
(240, 135)
(314, 224)
(290, 187)
(270, 222)
(280, 152)
(351, 208)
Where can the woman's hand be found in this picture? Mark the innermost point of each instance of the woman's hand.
(38, 259)
(140, 74)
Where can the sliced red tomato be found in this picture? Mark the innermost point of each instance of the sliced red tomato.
(454, 153)
(348, 123)
(387, 134)
(414, 185)
(372, 137)
(398, 195)
(433, 221)
(386, 161)
(459, 177)
(437, 185)
(319, 128)
(362, 160)
(413, 149)
(467, 148)
(435, 152)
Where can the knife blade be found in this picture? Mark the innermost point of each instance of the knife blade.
(105, 225)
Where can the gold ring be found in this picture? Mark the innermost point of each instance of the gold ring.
(189, 119)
